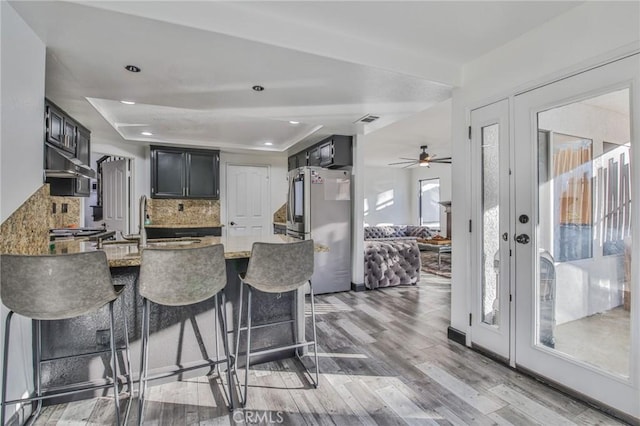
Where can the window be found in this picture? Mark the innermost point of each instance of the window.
(430, 203)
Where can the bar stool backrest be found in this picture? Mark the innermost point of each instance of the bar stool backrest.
(184, 276)
(56, 287)
(278, 268)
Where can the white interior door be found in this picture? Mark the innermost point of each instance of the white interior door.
(248, 200)
(490, 313)
(115, 195)
(577, 316)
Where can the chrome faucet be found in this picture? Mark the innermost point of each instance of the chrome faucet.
(143, 216)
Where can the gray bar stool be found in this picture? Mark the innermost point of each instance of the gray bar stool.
(179, 277)
(277, 268)
(56, 288)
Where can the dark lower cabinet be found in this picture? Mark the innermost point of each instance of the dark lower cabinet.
(213, 231)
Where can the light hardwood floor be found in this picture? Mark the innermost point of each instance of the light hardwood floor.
(385, 359)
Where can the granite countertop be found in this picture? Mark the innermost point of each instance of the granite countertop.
(218, 225)
(280, 223)
(122, 255)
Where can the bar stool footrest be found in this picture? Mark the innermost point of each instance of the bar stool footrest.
(173, 370)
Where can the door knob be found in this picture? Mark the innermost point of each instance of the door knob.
(522, 238)
(232, 223)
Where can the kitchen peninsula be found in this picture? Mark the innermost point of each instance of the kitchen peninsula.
(188, 331)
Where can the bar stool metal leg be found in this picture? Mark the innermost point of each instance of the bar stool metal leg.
(127, 354)
(38, 367)
(239, 327)
(315, 339)
(142, 385)
(5, 358)
(225, 345)
(248, 355)
(114, 363)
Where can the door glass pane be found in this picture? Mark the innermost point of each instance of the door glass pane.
(584, 231)
(490, 223)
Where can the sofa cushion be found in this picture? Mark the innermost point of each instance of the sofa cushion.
(421, 232)
(391, 262)
(392, 231)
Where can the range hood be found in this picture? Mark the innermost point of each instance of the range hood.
(62, 164)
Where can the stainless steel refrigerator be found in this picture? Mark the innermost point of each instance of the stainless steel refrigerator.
(319, 207)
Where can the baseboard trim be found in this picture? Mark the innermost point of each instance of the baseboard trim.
(357, 287)
(456, 335)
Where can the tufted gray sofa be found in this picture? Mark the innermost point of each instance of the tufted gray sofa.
(391, 262)
(397, 231)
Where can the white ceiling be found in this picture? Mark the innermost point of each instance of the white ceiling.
(324, 64)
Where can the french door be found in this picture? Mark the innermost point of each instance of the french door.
(490, 151)
(576, 288)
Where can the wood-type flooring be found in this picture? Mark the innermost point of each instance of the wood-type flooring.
(385, 360)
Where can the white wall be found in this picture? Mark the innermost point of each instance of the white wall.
(23, 70)
(441, 171)
(277, 174)
(583, 36)
(23, 67)
(388, 194)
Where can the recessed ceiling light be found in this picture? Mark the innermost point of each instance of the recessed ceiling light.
(258, 88)
(268, 143)
(146, 133)
(132, 68)
(294, 122)
(128, 102)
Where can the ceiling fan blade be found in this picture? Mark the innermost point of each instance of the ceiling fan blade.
(401, 162)
(409, 165)
(405, 158)
(441, 160)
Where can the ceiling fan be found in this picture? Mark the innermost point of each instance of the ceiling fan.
(423, 160)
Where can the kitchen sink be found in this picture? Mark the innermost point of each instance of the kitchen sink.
(169, 242)
(164, 242)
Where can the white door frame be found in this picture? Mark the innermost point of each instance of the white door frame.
(614, 391)
(496, 339)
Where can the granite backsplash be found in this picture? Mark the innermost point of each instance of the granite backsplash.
(59, 218)
(26, 231)
(197, 213)
(280, 215)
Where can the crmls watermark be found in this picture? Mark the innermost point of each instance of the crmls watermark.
(261, 417)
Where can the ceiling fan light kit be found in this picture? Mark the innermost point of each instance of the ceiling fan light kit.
(424, 159)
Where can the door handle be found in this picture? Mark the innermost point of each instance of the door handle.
(232, 223)
(522, 239)
(505, 236)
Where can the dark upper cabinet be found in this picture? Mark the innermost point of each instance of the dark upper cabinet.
(83, 137)
(301, 158)
(54, 120)
(335, 151)
(65, 133)
(202, 171)
(332, 152)
(314, 156)
(168, 174)
(298, 160)
(184, 173)
(292, 162)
